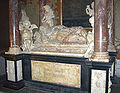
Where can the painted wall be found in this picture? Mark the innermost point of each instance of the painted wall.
(117, 31)
(117, 18)
(2, 66)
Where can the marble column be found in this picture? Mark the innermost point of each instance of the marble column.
(41, 4)
(13, 27)
(111, 30)
(101, 33)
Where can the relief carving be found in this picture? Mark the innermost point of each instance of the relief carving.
(98, 81)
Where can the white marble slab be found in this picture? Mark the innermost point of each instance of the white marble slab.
(11, 70)
(98, 81)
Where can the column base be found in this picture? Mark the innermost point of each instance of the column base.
(111, 48)
(14, 51)
(100, 56)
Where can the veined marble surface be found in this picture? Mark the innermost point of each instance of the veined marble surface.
(55, 54)
(10, 70)
(98, 81)
(58, 73)
(19, 70)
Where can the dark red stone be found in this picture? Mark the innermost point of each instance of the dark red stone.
(13, 23)
(110, 16)
(101, 33)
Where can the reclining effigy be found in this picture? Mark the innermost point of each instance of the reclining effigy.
(51, 38)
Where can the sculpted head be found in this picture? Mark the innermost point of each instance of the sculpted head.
(47, 8)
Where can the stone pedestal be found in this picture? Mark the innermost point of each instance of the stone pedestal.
(101, 33)
(13, 58)
(100, 81)
(14, 75)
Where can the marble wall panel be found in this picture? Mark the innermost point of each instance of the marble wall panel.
(19, 70)
(58, 73)
(98, 81)
(10, 70)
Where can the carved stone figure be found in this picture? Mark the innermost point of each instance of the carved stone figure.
(51, 38)
(90, 36)
(47, 20)
(59, 38)
(90, 12)
(62, 35)
(26, 28)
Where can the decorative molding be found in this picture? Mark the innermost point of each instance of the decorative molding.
(14, 51)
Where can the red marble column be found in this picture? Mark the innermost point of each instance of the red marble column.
(13, 27)
(111, 32)
(101, 33)
(41, 4)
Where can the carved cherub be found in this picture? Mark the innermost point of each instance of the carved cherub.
(90, 12)
(47, 20)
(26, 28)
(90, 36)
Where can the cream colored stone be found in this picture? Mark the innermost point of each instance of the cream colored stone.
(52, 38)
(98, 81)
(10, 70)
(58, 73)
(55, 54)
(47, 20)
(109, 82)
(19, 70)
(14, 51)
(26, 32)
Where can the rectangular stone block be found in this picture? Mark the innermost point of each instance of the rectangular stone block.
(57, 73)
(11, 70)
(98, 81)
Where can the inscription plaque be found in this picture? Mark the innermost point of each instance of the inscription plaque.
(58, 73)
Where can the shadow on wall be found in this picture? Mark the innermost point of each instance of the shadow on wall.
(4, 25)
(2, 66)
